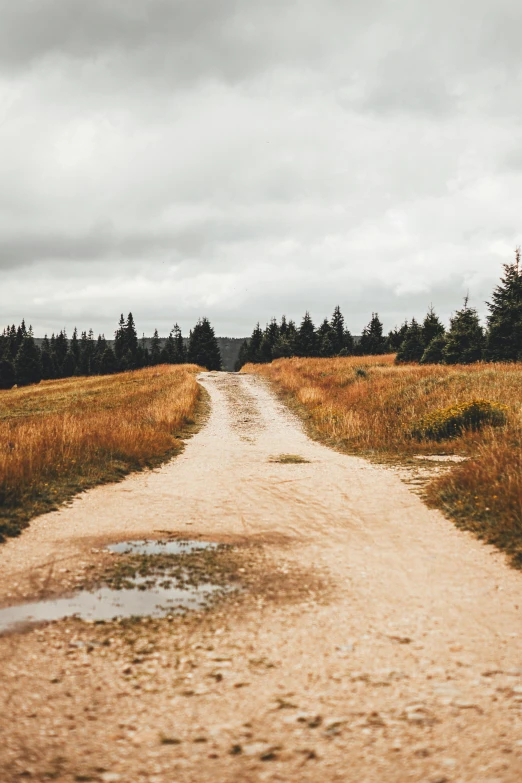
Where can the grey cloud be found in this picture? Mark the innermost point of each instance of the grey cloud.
(243, 159)
(20, 251)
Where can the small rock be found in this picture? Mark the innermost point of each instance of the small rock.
(269, 755)
(110, 777)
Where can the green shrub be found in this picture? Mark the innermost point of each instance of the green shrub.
(453, 421)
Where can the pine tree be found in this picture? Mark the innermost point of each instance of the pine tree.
(283, 348)
(61, 346)
(431, 327)
(74, 347)
(434, 351)
(254, 345)
(28, 367)
(291, 336)
(119, 338)
(348, 344)
(155, 348)
(372, 342)
(268, 341)
(327, 339)
(265, 349)
(48, 368)
(7, 374)
(203, 346)
(465, 338)
(83, 359)
(69, 365)
(131, 337)
(20, 333)
(306, 342)
(396, 337)
(108, 362)
(504, 339)
(98, 349)
(339, 334)
(326, 346)
(14, 344)
(412, 346)
(180, 352)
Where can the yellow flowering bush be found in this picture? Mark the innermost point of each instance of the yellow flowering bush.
(453, 421)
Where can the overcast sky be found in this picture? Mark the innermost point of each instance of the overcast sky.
(243, 158)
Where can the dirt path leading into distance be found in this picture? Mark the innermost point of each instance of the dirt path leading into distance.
(384, 646)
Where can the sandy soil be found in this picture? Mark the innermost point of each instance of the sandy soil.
(383, 644)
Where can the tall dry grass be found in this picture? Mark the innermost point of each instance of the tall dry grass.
(61, 437)
(369, 406)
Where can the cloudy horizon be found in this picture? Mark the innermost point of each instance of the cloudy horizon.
(240, 160)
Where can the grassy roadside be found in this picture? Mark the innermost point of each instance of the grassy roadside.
(61, 437)
(371, 407)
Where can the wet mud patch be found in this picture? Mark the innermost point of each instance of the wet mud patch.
(164, 578)
(148, 578)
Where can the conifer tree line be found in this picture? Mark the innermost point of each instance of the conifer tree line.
(464, 342)
(23, 362)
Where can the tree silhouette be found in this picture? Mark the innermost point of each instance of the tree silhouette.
(504, 340)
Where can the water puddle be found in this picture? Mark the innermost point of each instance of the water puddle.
(174, 547)
(159, 596)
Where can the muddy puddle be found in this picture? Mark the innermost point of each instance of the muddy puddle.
(175, 547)
(157, 594)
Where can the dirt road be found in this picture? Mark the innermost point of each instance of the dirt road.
(383, 645)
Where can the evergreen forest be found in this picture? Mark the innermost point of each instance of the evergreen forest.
(23, 362)
(465, 340)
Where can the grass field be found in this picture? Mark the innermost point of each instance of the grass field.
(371, 407)
(61, 437)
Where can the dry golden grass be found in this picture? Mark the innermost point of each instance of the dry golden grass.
(369, 406)
(61, 437)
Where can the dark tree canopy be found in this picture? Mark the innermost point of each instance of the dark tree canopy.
(372, 339)
(465, 337)
(412, 347)
(203, 346)
(28, 365)
(504, 339)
